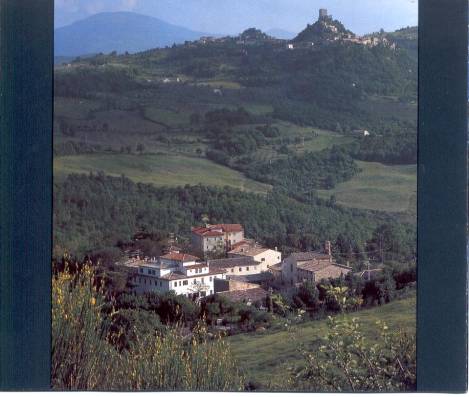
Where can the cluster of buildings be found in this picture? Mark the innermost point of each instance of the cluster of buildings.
(223, 261)
(327, 24)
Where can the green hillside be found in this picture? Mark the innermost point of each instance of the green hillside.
(158, 169)
(259, 353)
(390, 188)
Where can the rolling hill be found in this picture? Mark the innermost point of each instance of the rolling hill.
(120, 32)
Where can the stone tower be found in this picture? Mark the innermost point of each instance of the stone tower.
(322, 13)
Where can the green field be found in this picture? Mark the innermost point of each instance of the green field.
(158, 169)
(378, 187)
(265, 358)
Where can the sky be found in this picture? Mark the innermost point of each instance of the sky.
(233, 16)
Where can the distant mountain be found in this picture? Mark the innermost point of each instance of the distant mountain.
(281, 34)
(118, 31)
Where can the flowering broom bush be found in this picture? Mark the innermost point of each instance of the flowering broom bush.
(83, 357)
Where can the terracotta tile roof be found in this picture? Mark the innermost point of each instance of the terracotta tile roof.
(247, 250)
(252, 278)
(198, 266)
(313, 266)
(252, 295)
(232, 262)
(206, 232)
(245, 242)
(307, 256)
(228, 227)
(179, 256)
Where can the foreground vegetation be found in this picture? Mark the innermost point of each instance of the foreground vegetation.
(105, 338)
(86, 355)
(279, 352)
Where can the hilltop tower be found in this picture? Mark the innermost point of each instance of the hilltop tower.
(322, 14)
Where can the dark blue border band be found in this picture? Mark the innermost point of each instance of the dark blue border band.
(26, 33)
(442, 199)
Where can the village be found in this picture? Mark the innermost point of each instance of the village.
(325, 22)
(223, 261)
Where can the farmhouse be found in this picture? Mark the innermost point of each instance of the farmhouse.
(182, 273)
(216, 238)
(240, 266)
(311, 266)
(250, 249)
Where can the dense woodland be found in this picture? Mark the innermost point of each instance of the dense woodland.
(95, 212)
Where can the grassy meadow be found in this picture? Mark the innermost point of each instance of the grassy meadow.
(259, 353)
(391, 188)
(158, 169)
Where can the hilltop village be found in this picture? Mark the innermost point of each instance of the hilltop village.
(240, 268)
(325, 30)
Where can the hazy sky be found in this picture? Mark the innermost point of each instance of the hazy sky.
(233, 16)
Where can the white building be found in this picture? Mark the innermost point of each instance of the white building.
(182, 273)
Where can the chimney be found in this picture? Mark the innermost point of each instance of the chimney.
(327, 248)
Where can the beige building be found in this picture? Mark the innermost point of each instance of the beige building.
(216, 238)
(311, 266)
(266, 257)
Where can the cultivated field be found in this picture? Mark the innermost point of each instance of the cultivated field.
(259, 354)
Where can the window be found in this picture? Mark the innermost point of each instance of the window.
(255, 267)
(291, 267)
(185, 282)
(247, 268)
(180, 283)
(263, 259)
(161, 283)
(240, 269)
(211, 292)
(195, 281)
(232, 270)
(203, 280)
(175, 283)
(210, 280)
(141, 270)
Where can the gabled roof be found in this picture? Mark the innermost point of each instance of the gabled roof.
(314, 266)
(217, 230)
(308, 256)
(252, 295)
(232, 262)
(245, 250)
(179, 256)
(206, 232)
(228, 227)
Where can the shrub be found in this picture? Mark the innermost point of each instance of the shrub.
(348, 361)
(84, 359)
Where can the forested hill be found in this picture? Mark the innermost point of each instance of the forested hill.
(96, 211)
